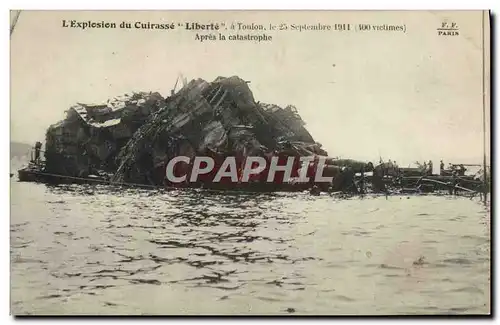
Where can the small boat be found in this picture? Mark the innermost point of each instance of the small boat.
(30, 173)
(35, 172)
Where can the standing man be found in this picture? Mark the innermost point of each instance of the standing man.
(38, 148)
(454, 182)
(441, 168)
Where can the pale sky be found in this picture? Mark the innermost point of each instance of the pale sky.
(405, 96)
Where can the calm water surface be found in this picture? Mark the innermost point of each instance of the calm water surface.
(96, 250)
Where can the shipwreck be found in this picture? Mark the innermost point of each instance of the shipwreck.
(130, 140)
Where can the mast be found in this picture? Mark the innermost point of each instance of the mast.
(485, 190)
(14, 22)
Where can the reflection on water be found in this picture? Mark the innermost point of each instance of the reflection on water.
(101, 250)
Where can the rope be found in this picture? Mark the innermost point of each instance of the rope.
(106, 182)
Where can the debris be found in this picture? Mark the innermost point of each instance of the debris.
(90, 136)
(135, 135)
(220, 117)
(130, 140)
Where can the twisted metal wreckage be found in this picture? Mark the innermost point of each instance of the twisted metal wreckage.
(130, 139)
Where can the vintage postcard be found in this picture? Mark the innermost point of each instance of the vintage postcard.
(250, 163)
